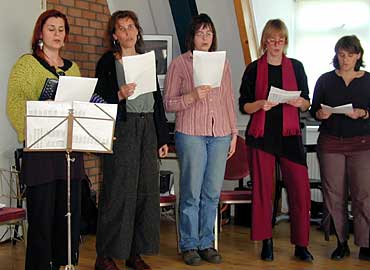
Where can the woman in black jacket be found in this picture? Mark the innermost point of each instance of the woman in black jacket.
(128, 222)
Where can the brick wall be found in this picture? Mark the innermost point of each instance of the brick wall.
(87, 20)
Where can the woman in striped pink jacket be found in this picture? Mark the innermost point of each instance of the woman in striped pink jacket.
(205, 137)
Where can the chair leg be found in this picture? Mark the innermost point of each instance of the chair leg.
(24, 231)
(177, 229)
(216, 229)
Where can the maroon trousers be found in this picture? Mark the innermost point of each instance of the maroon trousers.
(295, 176)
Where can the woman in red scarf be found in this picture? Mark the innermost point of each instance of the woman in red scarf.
(273, 133)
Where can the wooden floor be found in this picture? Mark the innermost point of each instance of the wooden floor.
(238, 252)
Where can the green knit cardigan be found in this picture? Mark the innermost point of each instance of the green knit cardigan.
(26, 81)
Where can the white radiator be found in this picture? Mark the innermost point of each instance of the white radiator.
(314, 175)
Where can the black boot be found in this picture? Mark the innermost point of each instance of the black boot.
(303, 254)
(267, 253)
(364, 253)
(341, 251)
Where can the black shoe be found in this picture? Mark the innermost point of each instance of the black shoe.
(191, 257)
(364, 254)
(303, 254)
(340, 252)
(210, 255)
(267, 253)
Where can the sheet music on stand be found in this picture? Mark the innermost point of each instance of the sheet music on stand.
(47, 126)
(70, 126)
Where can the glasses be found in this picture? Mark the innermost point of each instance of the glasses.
(274, 41)
(204, 34)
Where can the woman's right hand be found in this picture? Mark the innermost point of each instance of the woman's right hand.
(266, 105)
(201, 92)
(126, 90)
(198, 93)
(322, 114)
(257, 105)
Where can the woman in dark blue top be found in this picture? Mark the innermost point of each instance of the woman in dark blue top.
(344, 146)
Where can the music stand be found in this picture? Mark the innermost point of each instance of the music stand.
(70, 126)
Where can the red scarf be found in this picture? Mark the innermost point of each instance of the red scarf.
(290, 114)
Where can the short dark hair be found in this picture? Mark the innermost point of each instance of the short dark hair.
(197, 22)
(349, 44)
(111, 29)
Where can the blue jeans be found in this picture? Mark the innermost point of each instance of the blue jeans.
(202, 165)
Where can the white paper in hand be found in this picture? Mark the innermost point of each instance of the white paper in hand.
(75, 88)
(278, 95)
(140, 69)
(343, 109)
(208, 68)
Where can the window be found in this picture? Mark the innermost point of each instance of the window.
(319, 25)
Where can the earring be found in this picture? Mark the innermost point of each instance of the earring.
(40, 43)
(115, 43)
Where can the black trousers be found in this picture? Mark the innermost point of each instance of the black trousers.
(129, 212)
(47, 224)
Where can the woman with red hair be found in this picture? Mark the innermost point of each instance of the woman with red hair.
(44, 173)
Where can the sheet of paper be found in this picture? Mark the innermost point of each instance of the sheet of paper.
(282, 96)
(343, 109)
(75, 88)
(140, 69)
(208, 68)
(93, 126)
(43, 116)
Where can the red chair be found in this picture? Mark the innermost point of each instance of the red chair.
(13, 217)
(236, 169)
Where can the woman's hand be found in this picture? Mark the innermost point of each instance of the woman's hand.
(232, 147)
(267, 105)
(201, 92)
(198, 93)
(300, 103)
(322, 114)
(257, 105)
(357, 113)
(126, 90)
(163, 151)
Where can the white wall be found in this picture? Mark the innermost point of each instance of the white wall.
(16, 31)
(265, 10)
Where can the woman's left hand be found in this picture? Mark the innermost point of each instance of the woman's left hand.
(232, 147)
(163, 151)
(357, 113)
(299, 102)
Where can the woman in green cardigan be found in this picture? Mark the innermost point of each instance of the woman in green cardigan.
(44, 173)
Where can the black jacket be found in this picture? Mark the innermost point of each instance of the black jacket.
(107, 87)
